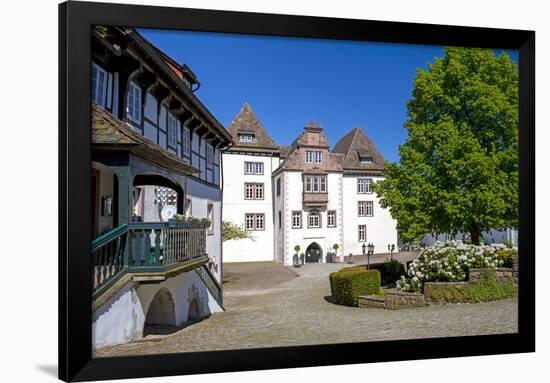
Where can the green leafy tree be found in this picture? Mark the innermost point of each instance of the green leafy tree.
(232, 231)
(458, 169)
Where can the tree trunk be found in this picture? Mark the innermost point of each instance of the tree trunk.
(475, 233)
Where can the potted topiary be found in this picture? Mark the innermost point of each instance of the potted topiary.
(296, 257)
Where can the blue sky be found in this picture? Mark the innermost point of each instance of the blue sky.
(291, 81)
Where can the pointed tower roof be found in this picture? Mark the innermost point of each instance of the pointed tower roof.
(246, 122)
(356, 145)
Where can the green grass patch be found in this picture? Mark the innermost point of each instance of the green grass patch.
(487, 288)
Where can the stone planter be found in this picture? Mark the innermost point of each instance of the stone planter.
(394, 300)
(502, 274)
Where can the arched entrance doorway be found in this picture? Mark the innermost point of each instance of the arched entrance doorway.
(314, 253)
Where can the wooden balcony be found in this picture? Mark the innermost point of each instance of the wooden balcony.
(150, 251)
(315, 199)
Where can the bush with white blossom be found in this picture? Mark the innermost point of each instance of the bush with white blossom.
(450, 262)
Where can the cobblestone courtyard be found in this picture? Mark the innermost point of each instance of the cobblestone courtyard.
(269, 305)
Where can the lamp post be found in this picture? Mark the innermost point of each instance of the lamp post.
(364, 249)
(391, 248)
(370, 247)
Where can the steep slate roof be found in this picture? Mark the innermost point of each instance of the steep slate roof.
(110, 133)
(354, 144)
(246, 122)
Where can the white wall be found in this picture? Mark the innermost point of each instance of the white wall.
(122, 318)
(381, 227)
(260, 247)
(325, 236)
(200, 195)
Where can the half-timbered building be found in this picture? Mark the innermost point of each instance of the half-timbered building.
(156, 151)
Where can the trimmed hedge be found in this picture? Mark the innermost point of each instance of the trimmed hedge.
(349, 283)
(390, 272)
(487, 288)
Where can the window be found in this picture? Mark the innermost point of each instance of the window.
(246, 137)
(296, 219)
(210, 214)
(254, 221)
(253, 191)
(248, 191)
(259, 194)
(209, 156)
(186, 141)
(315, 184)
(366, 160)
(364, 185)
(99, 85)
(259, 168)
(362, 233)
(280, 220)
(253, 168)
(172, 131)
(187, 83)
(318, 157)
(331, 218)
(249, 221)
(314, 219)
(369, 209)
(278, 187)
(133, 102)
(364, 209)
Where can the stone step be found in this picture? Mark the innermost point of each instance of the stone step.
(367, 301)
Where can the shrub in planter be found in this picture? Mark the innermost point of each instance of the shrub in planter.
(450, 262)
(348, 285)
(390, 271)
(487, 288)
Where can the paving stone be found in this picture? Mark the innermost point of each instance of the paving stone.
(292, 310)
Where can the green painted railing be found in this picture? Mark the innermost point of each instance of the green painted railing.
(143, 247)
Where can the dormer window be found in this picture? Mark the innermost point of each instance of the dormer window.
(316, 157)
(366, 159)
(246, 137)
(187, 83)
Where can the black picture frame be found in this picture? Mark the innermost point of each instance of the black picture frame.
(75, 355)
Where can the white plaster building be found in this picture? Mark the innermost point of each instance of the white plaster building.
(310, 196)
(247, 187)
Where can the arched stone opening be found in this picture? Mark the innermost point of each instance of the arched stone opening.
(314, 253)
(161, 315)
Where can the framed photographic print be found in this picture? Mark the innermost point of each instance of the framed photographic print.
(324, 191)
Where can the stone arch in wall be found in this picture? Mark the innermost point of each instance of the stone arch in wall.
(314, 253)
(162, 309)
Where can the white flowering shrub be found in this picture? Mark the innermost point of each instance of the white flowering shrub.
(450, 262)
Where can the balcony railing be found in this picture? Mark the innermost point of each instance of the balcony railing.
(143, 247)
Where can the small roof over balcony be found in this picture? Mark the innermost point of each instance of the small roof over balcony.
(110, 133)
